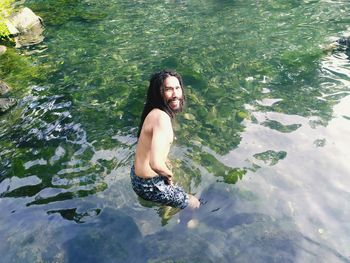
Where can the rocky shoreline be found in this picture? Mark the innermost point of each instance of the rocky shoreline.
(26, 29)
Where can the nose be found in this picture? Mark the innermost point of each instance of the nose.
(172, 93)
(176, 92)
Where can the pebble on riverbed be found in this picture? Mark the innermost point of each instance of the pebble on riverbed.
(2, 49)
(4, 88)
(5, 103)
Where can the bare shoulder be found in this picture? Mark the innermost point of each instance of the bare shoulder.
(159, 123)
(159, 118)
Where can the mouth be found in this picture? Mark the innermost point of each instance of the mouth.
(174, 103)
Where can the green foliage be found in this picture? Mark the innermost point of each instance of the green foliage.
(217, 168)
(5, 10)
(275, 125)
(4, 32)
(271, 157)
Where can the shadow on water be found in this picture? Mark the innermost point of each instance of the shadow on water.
(224, 234)
(246, 236)
(92, 235)
(112, 237)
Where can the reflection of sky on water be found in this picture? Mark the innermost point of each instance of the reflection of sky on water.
(294, 209)
(311, 184)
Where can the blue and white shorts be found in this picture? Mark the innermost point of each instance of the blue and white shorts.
(156, 189)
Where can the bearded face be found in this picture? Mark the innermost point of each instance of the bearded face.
(173, 93)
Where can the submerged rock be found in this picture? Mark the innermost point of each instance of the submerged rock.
(4, 88)
(26, 27)
(111, 237)
(6, 104)
(2, 49)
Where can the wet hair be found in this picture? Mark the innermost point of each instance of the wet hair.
(155, 95)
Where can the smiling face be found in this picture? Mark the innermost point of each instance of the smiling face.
(173, 94)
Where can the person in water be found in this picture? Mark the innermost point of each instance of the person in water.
(151, 178)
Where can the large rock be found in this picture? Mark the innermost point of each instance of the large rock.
(26, 28)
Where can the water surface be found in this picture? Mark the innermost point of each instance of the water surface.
(263, 139)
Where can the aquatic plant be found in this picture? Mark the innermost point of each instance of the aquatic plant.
(76, 12)
(19, 71)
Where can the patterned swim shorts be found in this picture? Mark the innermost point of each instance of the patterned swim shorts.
(155, 189)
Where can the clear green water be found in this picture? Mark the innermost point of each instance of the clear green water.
(264, 139)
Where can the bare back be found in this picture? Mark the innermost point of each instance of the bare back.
(153, 145)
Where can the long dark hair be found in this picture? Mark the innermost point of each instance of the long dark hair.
(155, 95)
